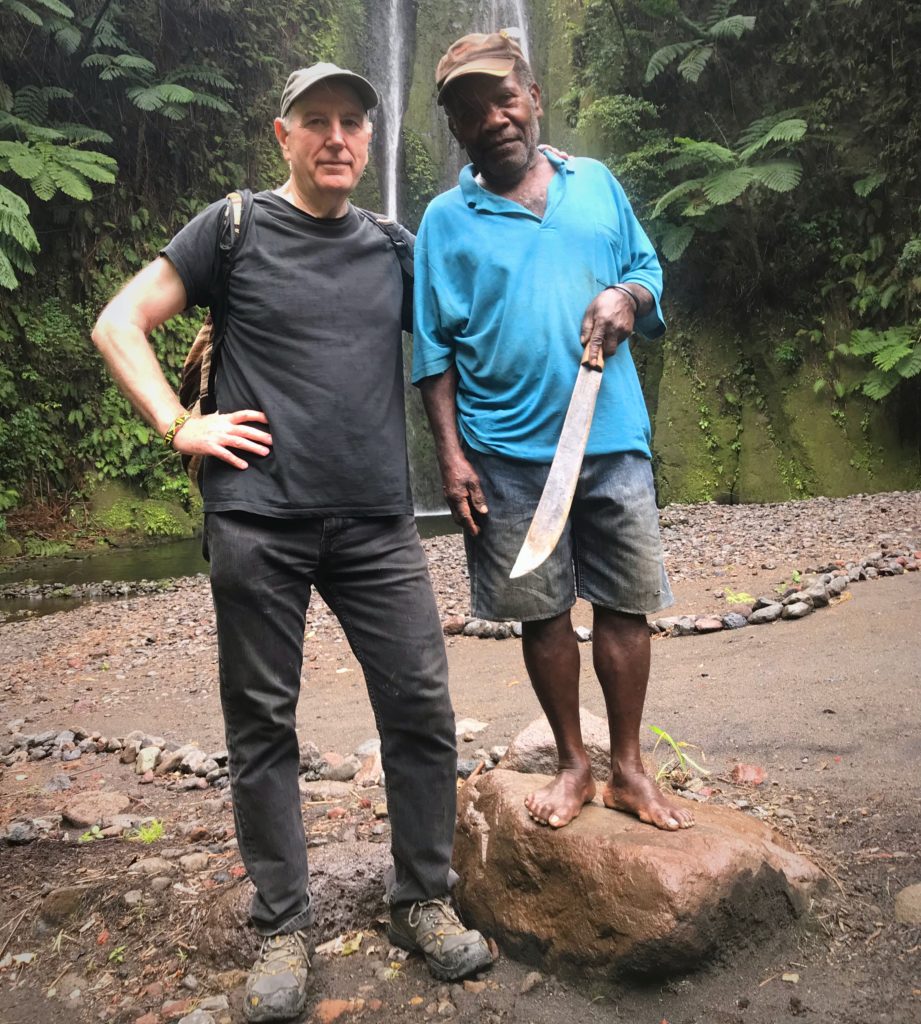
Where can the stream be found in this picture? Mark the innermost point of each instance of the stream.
(62, 584)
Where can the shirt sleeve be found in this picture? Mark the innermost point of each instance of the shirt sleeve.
(195, 253)
(639, 263)
(433, 348)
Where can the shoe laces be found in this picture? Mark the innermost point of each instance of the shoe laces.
(440, 916)
(283, 947)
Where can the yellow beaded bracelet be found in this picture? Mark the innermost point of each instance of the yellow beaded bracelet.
(174, 427)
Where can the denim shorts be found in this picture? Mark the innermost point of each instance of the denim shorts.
(610, 552)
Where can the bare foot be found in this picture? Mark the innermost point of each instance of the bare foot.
(563, 799)
(636, 793)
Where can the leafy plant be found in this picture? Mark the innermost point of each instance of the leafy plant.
(679, 760)
(737, 597)
(148, 832)
(695, 53)
(895, 354)
(117, 956)
(761, 160)
(91, 835)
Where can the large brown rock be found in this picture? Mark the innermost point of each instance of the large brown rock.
(609, 895)
(90, 809)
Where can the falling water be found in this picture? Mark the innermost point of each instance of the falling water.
(392, 106)
(510, 14)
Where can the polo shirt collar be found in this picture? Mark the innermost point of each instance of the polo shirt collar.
(479, 198)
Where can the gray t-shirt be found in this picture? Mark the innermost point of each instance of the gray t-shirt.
(312, 340)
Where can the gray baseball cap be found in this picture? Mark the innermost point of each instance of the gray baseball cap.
(304, 78)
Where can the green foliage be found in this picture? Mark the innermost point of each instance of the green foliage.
(148, 832)
(895, 354)
(694, 54)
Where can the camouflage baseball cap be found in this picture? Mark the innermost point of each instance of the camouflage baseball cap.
(479, 53)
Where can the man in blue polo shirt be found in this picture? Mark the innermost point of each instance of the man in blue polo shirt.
(528, 257)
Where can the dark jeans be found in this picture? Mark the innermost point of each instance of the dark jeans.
(372, 573)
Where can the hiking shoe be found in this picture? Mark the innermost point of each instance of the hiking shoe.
(432, 928)
(276, 988)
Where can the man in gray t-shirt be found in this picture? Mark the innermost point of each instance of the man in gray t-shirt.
(305, 484)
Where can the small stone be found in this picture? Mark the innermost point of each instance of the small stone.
(344, 771)
(708, 624)
(734, 620)
(161, 883)
(380, 811)
(130, 752)
(476, 987)
(190, 982)
(469, 725)
(766, 613)
(797, 610)
(531, 981)
(838, 585)
(748, 774)
(466, 767)
(193, 862)
(583, 634)
(132, 897)
(197, 1016)
(215, 1003)
(176, 1008)
(497, 753)
(151, 866)
(58, 783)
(147, 778)
(146, 760)
(453, 625)
(908, 905)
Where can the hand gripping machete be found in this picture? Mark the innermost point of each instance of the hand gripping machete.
(560, 488)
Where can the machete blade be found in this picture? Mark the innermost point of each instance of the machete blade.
(556, 499)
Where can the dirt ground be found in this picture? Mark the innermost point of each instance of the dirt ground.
(829, 706)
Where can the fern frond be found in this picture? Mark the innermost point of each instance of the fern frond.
(693, 65)
(866, 342)
(26, 163)
(778, 175)
(82, 133)
(694, 151)
(8, 278)
(673, 194)
(761, 125)
(56, 7)
(27, 14)
(43, 185)
(725, 186)
(870, 183)
(887, 358)
(787, 130)
(660, 60)
(911, 366)
(209, 76)
(732, 28)
(675, 240)
(205, 99)
(70, 182)
(67, 36)
(877, 385)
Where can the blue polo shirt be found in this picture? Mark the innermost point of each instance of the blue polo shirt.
(501, 292)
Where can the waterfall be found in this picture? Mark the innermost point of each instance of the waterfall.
(509, 14)
(392, 106)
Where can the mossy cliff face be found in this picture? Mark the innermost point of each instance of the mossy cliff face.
(731, 425)
(123, 516)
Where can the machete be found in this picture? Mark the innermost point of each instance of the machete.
(556, 499)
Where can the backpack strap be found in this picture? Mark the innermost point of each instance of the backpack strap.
(404, 254)
(236, 218)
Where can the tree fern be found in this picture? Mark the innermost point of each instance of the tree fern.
(778, 175)
(694, 63)
(661, 59)
(731, 28)
(786, 130)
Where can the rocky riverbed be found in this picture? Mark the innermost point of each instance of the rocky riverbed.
(809, 725)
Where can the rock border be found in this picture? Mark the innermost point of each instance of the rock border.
(817, 588)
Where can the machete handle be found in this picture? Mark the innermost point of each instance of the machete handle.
(593, 364)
